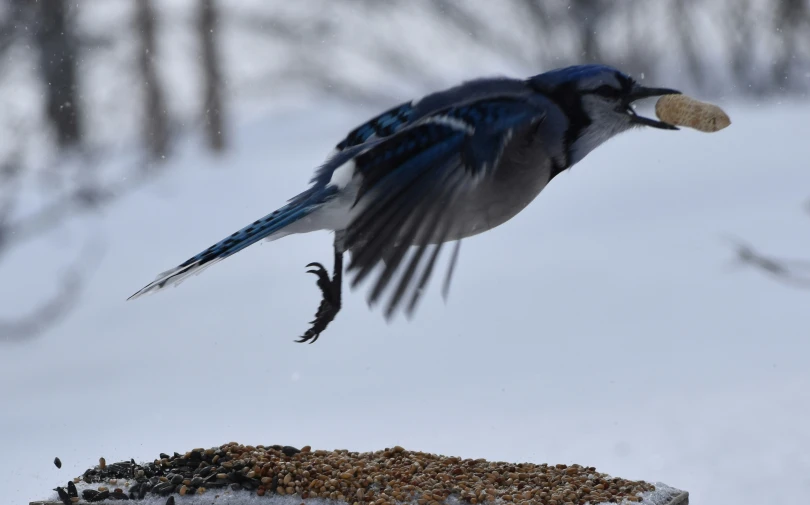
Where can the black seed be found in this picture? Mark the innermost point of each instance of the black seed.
(196, 482)
(89, 494)
(118, 494)
(164, 489)
(196, 455)
(142, 493)
(170, 501)
(274, 483)
(176, 479)
(101, 496)
(63, 496)
(163, 455)
(57, 462)
(289, 451)
(120, 470)
(72, 491)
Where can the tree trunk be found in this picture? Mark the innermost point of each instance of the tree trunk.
(57, 57)
(791, 20)
(690, 46)
(212, 105)
(743, 46)
(156, 132)
(588, 14)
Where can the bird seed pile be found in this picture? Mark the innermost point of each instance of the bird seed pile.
(378, 478)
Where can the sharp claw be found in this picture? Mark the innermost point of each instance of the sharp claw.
(303, 338)
(308, 337)
(330, 302)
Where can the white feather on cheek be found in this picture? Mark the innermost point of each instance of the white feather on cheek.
(606, 122)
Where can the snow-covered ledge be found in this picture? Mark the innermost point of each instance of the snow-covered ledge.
(237, 474)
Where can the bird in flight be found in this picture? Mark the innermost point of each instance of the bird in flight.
(450, 165)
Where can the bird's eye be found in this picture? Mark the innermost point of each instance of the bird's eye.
(607, 91)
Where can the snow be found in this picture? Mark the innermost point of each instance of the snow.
(662, 495)
(603, 325)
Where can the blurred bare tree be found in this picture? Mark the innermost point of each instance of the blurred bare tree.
(792, 19)
(212, 101)
(49, 26)
(155, 129)
(57, 56)
(260, 52)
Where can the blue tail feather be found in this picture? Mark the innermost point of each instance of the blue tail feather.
(297, 208)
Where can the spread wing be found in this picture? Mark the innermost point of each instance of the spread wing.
(403, 115)
(410, 177)
(383, 125)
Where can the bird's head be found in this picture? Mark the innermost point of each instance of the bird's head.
(598, 101)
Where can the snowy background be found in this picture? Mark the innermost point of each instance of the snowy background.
(609, 324)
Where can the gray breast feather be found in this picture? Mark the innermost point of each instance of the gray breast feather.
(441, 178)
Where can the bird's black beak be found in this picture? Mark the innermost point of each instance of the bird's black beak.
(641, 92)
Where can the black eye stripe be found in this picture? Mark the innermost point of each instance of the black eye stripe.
(625, 82)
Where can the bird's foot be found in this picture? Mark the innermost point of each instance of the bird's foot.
(330, 304)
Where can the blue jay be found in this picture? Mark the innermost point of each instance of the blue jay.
(448, 166)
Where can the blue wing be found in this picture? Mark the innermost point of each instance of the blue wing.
(406, 113)
(387, 123)
(410, 177)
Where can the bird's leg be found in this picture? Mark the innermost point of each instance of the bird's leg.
(330, 304)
